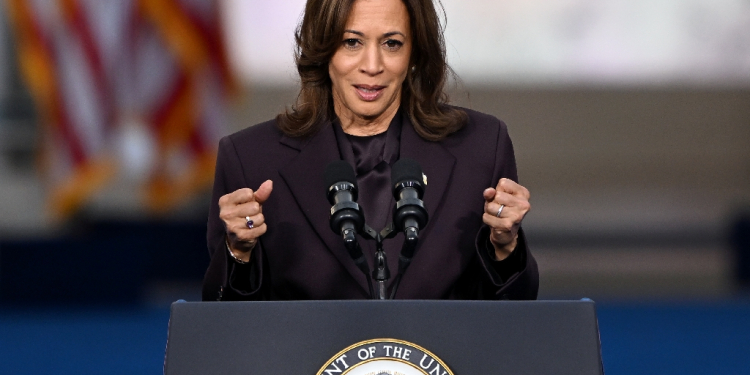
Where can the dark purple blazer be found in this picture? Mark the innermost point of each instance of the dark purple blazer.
(300, 257)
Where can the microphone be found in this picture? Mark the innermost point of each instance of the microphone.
(346, 215)
(410, 214)
(408, 190)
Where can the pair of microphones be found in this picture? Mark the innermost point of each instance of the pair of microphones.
(347, 217)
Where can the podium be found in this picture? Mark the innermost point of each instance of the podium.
(311, 337)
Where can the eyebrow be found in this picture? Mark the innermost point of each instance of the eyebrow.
(391, 33)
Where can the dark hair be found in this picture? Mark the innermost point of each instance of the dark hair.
(318, 38)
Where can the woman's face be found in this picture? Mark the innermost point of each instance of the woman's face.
(371, 64)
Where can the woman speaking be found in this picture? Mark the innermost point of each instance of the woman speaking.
(372, 74)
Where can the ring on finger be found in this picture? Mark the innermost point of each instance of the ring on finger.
(500, 210)
(249, 222)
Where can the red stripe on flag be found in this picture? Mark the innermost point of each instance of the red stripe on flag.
(213, 37)
(197, 142)
(82, 28)
(57, 111)
(61, 117)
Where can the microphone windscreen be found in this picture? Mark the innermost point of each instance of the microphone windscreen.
(338, 171)
(406, 170)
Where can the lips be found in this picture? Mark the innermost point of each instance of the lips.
(369, 93)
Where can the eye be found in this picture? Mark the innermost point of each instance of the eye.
(351, 43)
(393, 44)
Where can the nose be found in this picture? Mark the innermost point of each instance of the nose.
(372, 60)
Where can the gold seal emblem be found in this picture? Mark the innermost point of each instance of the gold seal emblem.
(385, 357)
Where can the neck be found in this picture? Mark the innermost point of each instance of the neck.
(364, 126)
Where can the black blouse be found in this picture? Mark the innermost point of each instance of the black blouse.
(372, 158)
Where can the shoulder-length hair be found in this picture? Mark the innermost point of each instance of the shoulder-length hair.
(319, 36)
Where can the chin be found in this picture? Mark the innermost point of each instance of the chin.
(368, 111)
(373, 110)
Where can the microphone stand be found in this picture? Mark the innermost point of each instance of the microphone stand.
(381, 273)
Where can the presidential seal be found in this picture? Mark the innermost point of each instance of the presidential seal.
(385, 357)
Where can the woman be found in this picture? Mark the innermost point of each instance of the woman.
(372, 75)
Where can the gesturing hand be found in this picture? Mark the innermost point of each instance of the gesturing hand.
(242, 213)
(504, 209)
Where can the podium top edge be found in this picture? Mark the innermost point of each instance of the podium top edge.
(583, 301)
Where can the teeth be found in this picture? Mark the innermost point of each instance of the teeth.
(368, 90)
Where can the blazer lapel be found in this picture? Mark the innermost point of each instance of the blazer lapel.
(437, 165)
(304, 176)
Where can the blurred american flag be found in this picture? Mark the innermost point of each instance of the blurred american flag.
(102, 69)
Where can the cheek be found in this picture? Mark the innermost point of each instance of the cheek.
(332, 72)
(400, 67)
(337, 71)
(332, 76)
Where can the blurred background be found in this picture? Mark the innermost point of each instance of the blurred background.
(630, 120)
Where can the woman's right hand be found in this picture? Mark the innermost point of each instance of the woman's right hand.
(242, 214)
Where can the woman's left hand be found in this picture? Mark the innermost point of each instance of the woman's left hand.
(504, 208)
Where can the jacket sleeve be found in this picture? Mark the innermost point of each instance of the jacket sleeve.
(513, 278)
(517, 276)
(225, 279)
